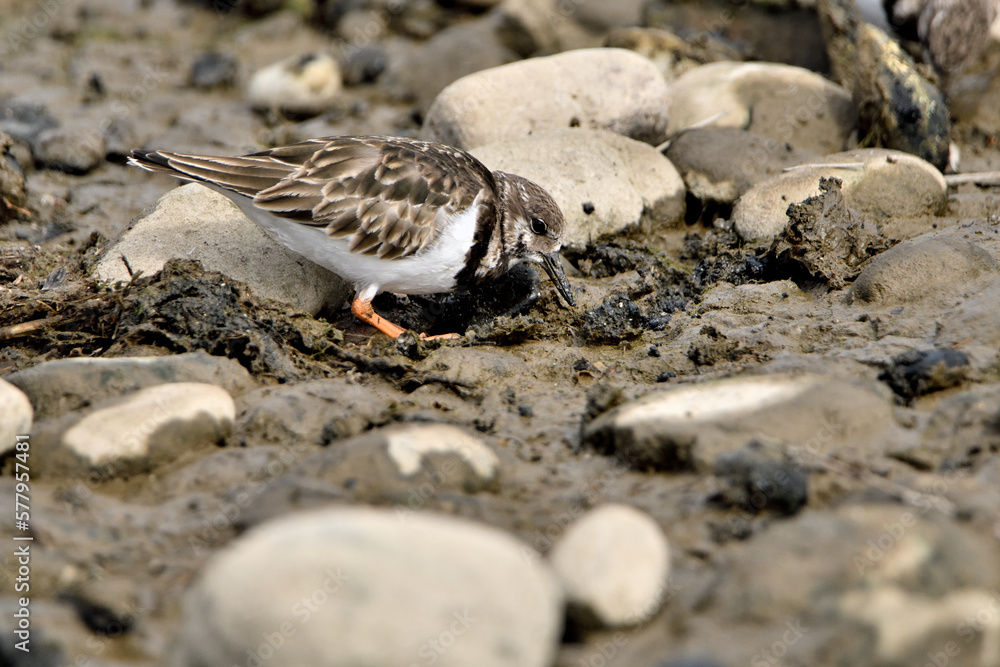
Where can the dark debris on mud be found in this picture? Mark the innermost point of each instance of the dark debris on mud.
(477, 308)
(179, 309)
(522, 306)
(918, 372)
(825, 240)
(55, 311)
(721, 257)
(825, 245)
(658, 290)
(48, 309)
(184, 308)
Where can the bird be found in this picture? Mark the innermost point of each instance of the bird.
(953, 33)
(386, 213)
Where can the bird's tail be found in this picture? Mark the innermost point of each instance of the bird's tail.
(151, 161)
(246, 175)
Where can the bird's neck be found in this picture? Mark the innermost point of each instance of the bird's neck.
(488, 257)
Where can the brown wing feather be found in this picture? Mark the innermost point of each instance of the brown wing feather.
(383, 194)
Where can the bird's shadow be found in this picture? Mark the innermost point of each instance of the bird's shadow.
(455, 312)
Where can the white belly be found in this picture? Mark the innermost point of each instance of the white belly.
(430, 271)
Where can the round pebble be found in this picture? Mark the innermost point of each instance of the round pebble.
(721, 163)
(358, 587)
(143, 429)
(552, 92)
(406, 465)
(456, 51)
(690, 427)
(788, 104)
(408, 448)
(76, 149)
(58, 386)
(603, 182)
(880, 183)
(15, 415)
(614, 565)
(922, 269)
(308, 85)
(363, 64)
(213, 70)
(197, 223)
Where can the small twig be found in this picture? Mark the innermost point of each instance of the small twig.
(17, 209)
(828, 165)
(977, 177)
(24, 328)
(697, 126)
(128, 267)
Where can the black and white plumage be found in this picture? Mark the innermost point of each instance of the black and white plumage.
(386, 213)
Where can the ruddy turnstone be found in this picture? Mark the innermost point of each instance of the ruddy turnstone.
(386, 213)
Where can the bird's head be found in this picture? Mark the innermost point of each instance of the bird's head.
(534, 228)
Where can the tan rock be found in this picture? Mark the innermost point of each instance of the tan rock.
(603, 182)
(883, 184)
(15, 415)
(789, 104)
(193, 222)
(377, 591)
(922, 269)
(610, 89)
(614, 564)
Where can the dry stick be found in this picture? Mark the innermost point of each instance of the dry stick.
(24, 328)
(977, 177)
(827, 165)
(700, 124)
(17, 209)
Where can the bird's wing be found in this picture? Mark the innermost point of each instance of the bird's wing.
(385, 195)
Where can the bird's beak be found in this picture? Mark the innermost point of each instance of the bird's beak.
(554, 268)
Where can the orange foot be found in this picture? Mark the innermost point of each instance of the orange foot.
(363, 311)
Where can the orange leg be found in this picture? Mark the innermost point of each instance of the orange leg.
(363, 311)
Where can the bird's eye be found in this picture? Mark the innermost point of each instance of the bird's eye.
(538, 226)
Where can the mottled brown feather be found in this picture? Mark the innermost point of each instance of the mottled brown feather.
(385, 194)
